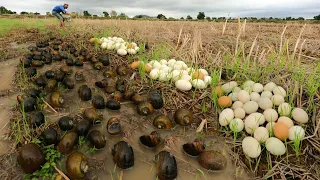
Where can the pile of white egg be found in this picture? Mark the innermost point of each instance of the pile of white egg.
(122, 47)
(262, 112)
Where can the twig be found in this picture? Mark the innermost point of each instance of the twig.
(49, 105)
(61, 173)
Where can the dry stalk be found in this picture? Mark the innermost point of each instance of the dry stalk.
(281, 39)
(61, 173)
(298, 40)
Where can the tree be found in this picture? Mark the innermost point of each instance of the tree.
(4, 10)
(161, 16)
(270, 18)
(122, 16)
(208, 18)
(106, 14)
(86, 13)
(201, 15)
(36, 13)
(288, 18)
(23, 12)
(181, 18)
(300, 18)
(113, 13)
(317, 17)
(189, 17)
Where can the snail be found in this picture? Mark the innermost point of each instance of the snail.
(70, 62)
(65, 123)
(37, 119)
(151, 140)
(97, 139)
(50, 136)
(69, 83)
(117, 95)
(156, 99)
(102, 84)
(77, 165)
(78, 76)
(166, 166)
(145, 108)
(56, 99)
(40, 81)
(98, 102)
(194, 148)
(113, 104)
(68, 142)
(123, 155)
(127, 95)
(85, 93)
(98, 65)
(33, 92)
(82, 127)
(49, 74)
(212, 160)
(31, 158)
(104, 59)
(52, 83)
(162, 122)
(114, 126)
(137, 99)
(122, 70)
(92, 115)
(183, 117)
(109, 74)
(60, 76)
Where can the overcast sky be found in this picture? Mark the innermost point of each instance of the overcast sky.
(177, 8)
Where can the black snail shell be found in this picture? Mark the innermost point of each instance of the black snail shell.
(156, 100)
(56, 99)
(40, 81)
(145, 108)
(57, 57)
(166, 166)
(77, 165)
(60, 76)
(97, 139)
(194, 148)
(97, 65)
(66, 123)
(113, 104)
(83, 127)
(122, 70)
(213, 160)
(50, 136)
(123, 155)
(162, 122)
(37, 57)
(49, 74)
(31, 72)
(137, 99)
(79, 76)
(56, 47)
(33, 92)
(151, 140)
(92, 115)
(85, 93)
(114, 126)
(69, 62)
(183, 117)
(51, 84)
(67, 143)
(102, 84)
(69, 83)
(29, 104)
(26, 62)
(98, 102)
(37, 119)
(104, 59)
(31, 158)
(78, 63)
(127, 95)
(48, 59)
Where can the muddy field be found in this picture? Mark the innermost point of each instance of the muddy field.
(287, 54)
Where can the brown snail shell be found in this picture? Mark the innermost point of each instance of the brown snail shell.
(123, 155)
(151, 140)
(67, 143)
(85, 93)
(122, 70)
(137, 99)
(31, 158)
(166, 166)
(117, 95)
(98, 65)
(213, 160)
(194, 148)
(145, 108)
(162, 122)
(51, 84)
(82, 127)
(94, 59)
(56, 99)
(183, 117)
(110, 89)
(92, 115)
(97, 139)
(98, 102)
(77, 165)
(109, 74)
(79, 76)
(37, 63)
(66, 69)
(102, 84)
(128, 95)
(114, 126)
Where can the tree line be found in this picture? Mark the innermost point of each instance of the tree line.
(200, 16)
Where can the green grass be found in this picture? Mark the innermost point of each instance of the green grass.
(9, 24)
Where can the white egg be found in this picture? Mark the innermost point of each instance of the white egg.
(250, 107)
(267, 94)
(233, 96)
(204, 72)
(275, 146)
(269, 127)
(243, 96)
(198, 83)
(239, 113)
(287, 121)
(258, 117)
(171, 62)
(179, 62)
(176, 75)
(122, 52)
(300, 115)
(251, 124)
(237, 104)
(186, 77)
(131, 51)
(296, 133)
(284, 109)
(249, 84)
(236, 125)
(279, 90)
(156, 64)
(226, 116)
(254, 96)
(251, 147)
(117, 46)
(164, 76)
(236, 89)
(265, 103)
(270, 115)
(163, 62)
(177, 66)
(137, 48)
(154, 74)
(277, 99)
(207, 79)
(269, 86)
(257, 87)
(261, 134)
(183, 85)
(184, 72)
(228, 87)
(104, 45)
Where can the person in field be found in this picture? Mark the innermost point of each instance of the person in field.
(60, 9)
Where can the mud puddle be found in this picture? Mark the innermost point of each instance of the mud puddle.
(7, 71)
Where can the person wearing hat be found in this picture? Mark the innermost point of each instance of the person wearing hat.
(60, 9)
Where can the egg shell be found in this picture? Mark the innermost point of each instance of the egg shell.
(233, 96)
(296, 133)
(267, 94)
(250, 107)
(277, 99)
(269, 86)
(265, 103)
(270, 115)
(237, 104)
(275, 146)
(261, 134)
(300, 115)
(226, 116)
(228, 87)
(183, 85)
(279, 90)
(258, 117)
(251, 124)
(284, 109)
(239, 113)
(254, 96)
(251, 147)
(243, 96)
(287, 121)
(281, 131)
(257, 87)
(236, 125)
(224, 101)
